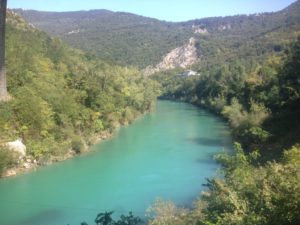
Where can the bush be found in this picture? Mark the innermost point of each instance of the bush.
(77, 144)
(165, 212)
(6, 159)
(235, 113)
(248, 194)
(258, 113)
(106, 219)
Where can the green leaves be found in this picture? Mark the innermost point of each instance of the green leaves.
(250, 192)
(290, 75)
(106, 219)
(247, 194)
(60, 94)
(6, 159)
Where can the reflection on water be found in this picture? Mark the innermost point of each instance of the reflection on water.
(41, 216)
(206, 141)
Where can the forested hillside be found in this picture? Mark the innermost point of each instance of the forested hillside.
(136, 40)
(246, 40)
(245, 81)
(62, 99)
(259, 184)
(257, 92)
(248, 73)
(124, 38)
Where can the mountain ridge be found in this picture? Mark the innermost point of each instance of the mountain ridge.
(130, 39)
(121, 37)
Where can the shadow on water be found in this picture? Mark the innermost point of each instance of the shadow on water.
(211, 142)
(40, 218)
(206, 161)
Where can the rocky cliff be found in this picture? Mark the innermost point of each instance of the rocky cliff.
(180, 57)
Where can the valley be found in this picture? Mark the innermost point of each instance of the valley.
(129, 39)
(203, 113)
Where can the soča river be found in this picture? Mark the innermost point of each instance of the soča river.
(168, 154)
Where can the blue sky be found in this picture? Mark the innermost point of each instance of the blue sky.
(170, 10)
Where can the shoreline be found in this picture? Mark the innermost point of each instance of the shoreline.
(28, 164)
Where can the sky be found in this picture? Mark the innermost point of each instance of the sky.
(169, 10)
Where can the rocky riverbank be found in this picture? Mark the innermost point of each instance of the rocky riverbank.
(26, 163)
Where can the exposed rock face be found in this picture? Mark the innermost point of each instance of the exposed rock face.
(181, 57)
(199, 29)
(224, 27)
(17, 146)
(9, 173)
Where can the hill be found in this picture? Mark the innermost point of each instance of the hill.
(125, 38)
(246, 37)
(254, 85)
(240, 70)
(129, 39)
(259, 183)
(63, 99)
(248, 73)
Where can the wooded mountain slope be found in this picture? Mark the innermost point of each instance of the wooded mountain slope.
(131, 39)
(125, 38)
(62, 98)
(259, 183)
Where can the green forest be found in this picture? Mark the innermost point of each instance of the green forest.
(261, 180)
(122, 38)
(129, 39)
(64, 100)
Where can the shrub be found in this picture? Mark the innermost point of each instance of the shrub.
(77, 144)
(6, 159)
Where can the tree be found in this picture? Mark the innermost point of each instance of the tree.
(3, 88)
(290, 75)
(106, 219)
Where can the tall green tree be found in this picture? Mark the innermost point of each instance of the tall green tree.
(290, 75)
(3, 88)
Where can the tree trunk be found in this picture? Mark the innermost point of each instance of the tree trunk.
(3, 89)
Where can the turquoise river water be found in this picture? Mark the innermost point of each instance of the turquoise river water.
(167, 153)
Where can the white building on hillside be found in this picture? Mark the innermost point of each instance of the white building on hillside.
(189, 73)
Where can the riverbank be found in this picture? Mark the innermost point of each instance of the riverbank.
(29, 163)
(167, 154)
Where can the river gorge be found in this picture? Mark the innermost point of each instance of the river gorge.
(167, 153)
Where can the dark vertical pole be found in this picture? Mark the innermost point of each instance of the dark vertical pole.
(3, 87)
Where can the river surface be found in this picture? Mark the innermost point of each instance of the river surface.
(167, 153)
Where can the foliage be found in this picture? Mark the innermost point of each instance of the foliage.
(235, 113)
(289, 79)
(255, 187)
(130, 39)
(6, 159)
(60, 94)
(247, 125)
(255, 195)
(248, 194)
(165, 212)
(77, 144)
(106, 219)
(123, 38)
(256, 101)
